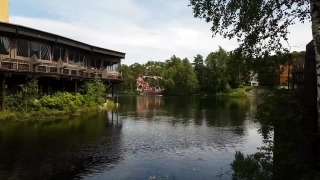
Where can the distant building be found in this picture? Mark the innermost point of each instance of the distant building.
(291, 74)
(254, 79)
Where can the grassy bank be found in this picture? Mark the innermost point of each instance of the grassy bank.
(51, 114)
(239, 92)
(247, 91)
(27, 104)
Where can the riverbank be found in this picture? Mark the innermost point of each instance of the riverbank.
(50, 114)
(28, 104)
(246, 91)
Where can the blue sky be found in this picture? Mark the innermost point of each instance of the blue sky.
(143, 29)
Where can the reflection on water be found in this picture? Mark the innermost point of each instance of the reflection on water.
(64, 148)
(219, 112)
(147, 137)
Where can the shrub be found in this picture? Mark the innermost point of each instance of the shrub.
(94, 93)
(24, 98)
(61, 101)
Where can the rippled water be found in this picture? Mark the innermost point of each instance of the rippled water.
(147, 138)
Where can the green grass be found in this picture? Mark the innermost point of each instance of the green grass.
(49, 114)
(239, 92)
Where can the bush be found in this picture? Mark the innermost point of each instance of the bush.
(26, 104)
(25, 97)
(61, 101)
(94, 93)
(255, 166)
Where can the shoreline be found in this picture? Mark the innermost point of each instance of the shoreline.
(49, 114)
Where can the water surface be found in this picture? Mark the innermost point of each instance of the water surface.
(146, 138)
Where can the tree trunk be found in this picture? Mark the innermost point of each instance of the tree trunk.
(315, 19)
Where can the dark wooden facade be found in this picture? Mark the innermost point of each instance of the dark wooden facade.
(59, 63)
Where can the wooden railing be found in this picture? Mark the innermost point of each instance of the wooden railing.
(53, 68)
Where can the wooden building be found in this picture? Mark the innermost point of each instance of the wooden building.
(57, 62)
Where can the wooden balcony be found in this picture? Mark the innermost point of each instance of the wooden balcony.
(56, 69)
(30, 52)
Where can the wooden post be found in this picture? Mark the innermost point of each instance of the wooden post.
(3, 92)
(40, 87)
(49, 87)
(76, 86)
(112, 90)
(63, 85)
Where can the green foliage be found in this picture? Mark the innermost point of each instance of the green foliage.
(61, 101)
(199, 68)
(94, 93)
(238, 69)
(259, 26)
(179, 77)
(128, 85)
(216, 64)
(25, 104)
(108, 105)
(7, 115)
(288, 141)
(220, 73)
(256, 166)
(24, 98)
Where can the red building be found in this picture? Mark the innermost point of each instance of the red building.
(291, 74)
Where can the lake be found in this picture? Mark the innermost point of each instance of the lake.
(148, 137)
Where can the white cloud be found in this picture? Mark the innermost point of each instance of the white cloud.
(152, 31)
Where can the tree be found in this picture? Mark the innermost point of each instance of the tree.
(217, 66)
(261, 26)
(129, 80)
(199, 68)
(27, 94)
(238, 69)
(179, 77)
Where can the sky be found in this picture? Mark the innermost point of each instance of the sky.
(146, 30)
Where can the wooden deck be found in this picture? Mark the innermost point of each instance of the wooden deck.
(31, 52)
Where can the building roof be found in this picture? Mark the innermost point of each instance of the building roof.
(18, 30)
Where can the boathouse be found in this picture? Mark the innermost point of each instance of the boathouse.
(59, 63)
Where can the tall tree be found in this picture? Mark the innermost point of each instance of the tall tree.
(261, 25)
(217, 66)
(199, 68)
(129, 80)
(238, 69)
(179, 77)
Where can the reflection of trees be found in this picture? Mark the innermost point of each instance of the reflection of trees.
(64, 148)
(211, 111)
(290, 146)
(219, 112)
(227, 112)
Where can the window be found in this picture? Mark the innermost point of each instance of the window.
(56, 54)
(4, 45)
(71, 57)
(76, 57)
(92, 63)
(22, 48)
(105, 64)
(63, 54)
(45, 52)
(98, 63)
